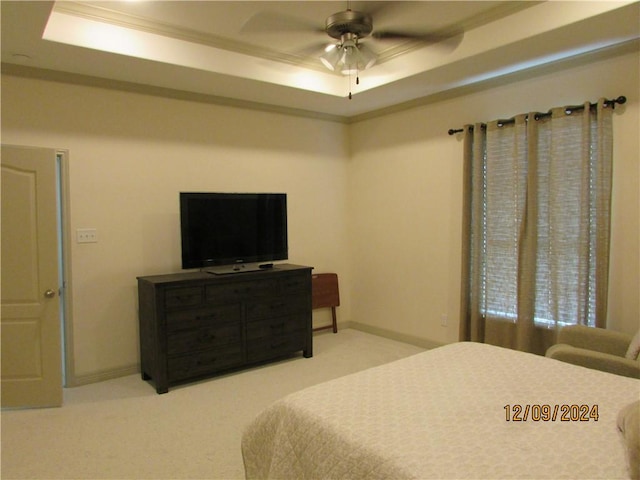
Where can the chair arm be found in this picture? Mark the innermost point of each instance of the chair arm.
(595, 360)
(598, 339)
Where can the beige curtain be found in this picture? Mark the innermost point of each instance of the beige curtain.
(537, 192)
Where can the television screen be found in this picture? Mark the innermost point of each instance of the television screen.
(232, 228)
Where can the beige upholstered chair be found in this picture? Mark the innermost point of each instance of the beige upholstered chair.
(606, 350)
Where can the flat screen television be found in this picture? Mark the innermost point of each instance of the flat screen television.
(233, 230)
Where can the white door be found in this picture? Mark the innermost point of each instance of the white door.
(30, 322)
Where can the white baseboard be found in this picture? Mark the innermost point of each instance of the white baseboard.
(383, 332)
(78, 380)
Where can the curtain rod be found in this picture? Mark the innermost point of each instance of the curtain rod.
(621, 99)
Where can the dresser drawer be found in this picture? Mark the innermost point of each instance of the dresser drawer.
(275, 346)
(183, 297)
(187, 341)
(278, 307)
(274, 327)
(198, 317)
(238, 291)
(203, 363)
(292, 284)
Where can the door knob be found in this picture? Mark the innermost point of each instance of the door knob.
(50, 293)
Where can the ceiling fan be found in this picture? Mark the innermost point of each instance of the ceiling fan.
(348, 28)
(347, 53)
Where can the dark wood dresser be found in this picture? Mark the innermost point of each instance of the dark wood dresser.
(197, 324)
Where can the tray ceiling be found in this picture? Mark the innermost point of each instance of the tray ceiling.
(266, 54)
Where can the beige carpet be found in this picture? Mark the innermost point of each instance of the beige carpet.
(122, 429)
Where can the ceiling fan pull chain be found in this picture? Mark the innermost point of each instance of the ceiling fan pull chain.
(350, 96)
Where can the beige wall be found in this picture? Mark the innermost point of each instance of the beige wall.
(377, 201)
(130, 155)
(405, 196)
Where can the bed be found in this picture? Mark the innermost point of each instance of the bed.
(465, 410)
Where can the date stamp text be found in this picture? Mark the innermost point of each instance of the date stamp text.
(551, 413)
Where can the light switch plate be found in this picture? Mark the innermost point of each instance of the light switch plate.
(86, 235)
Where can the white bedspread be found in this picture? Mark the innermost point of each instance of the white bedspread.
(441, 414)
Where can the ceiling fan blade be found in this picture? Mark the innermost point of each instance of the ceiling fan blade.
(278, 23)
(313, 51)
(434, 37)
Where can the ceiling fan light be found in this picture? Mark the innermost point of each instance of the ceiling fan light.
(330, 57)
(356, 58)
(368, 57)
(350, 57)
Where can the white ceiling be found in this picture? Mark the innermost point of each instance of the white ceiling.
(264, 54)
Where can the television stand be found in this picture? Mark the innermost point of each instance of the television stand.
(195, 325)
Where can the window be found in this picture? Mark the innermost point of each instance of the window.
(538, 200)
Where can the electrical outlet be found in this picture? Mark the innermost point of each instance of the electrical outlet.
(444, 319)
(86, 235)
